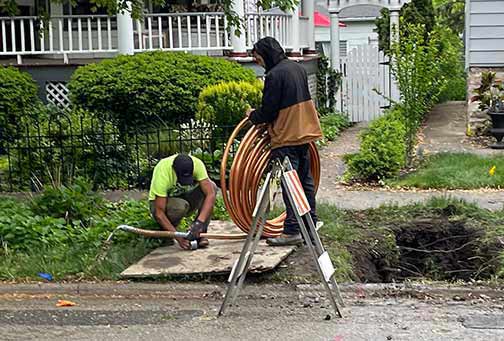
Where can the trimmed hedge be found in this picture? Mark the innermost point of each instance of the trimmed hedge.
(18, 98)
(382, 152)
(225, 104)
(150, 86)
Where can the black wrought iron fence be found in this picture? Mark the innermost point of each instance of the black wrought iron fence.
(64, 146)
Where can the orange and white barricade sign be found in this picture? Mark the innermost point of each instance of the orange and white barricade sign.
(296, 189)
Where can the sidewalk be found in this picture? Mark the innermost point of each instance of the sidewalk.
(444, 132)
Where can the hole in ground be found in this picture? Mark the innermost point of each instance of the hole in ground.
(439, 247)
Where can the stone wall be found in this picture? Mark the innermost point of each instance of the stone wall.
(478, 122)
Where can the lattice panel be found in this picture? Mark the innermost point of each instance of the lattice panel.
(57, 94)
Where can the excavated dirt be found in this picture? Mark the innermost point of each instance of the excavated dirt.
(441, 245)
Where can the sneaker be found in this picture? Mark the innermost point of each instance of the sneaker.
(285, 239)
(203, 243)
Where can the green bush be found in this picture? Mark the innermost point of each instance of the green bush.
(333, 124)
(150, 86)
(18, 97)
(382, 152)
(452, 66)
(76, 203)
(225, 104)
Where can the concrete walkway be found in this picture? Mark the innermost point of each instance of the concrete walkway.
(444, 131)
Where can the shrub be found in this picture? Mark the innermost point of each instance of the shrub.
(333, 124)
(76, 203)
(18, 97)
(150, 86)
(225, 104)
(452, 65)
(382, 152)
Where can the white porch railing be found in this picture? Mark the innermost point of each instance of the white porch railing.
(63, 35)
(260, 25)
(182, 32)
(89, 34)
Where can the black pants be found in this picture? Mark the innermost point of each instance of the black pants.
(299, 157)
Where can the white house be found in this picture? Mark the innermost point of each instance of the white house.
(76, 32)
(357, 27)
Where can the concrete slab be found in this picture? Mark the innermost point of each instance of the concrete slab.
(218, 258)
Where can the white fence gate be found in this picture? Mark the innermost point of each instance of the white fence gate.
(367, 84)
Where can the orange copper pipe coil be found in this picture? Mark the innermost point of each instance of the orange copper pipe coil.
(246, 172)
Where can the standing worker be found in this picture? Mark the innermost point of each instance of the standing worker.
(293, 123)
(180, 186)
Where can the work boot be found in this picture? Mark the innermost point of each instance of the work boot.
(285, 239)
(203, 243)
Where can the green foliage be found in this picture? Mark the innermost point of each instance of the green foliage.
(383, 150)
(416, 12)
(383, 29)
(418, 68)
(451, 49)
(328, 83)
(152, 86)
(34, 243)
(455, 171)
(220, 212)
(21, 229)
(76, 203)
(490, 93)
(451, 13)
(18, 98)
(62, 145)
(225, 104)
(332, 125)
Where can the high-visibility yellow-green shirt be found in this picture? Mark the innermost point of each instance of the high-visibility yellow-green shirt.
(164, 180)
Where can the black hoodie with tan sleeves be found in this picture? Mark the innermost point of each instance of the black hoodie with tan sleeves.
(286, 105)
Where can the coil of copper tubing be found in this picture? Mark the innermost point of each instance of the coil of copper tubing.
(246, 172)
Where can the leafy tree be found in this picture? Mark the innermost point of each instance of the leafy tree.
(417, 12)
(451, 13)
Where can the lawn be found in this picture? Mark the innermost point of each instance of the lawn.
(455, 171)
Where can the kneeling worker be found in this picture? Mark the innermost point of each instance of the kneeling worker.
(180, 186)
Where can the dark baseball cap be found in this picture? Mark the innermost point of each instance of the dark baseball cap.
(183, 166)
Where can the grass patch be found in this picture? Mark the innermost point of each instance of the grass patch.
(455, 171)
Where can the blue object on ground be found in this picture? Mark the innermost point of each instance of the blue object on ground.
(45, 276)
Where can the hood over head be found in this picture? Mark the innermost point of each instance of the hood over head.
(271, 51)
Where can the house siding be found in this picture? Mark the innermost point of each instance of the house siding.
(485, 33)
(484, 39)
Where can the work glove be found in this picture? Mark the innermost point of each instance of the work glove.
(197, 227)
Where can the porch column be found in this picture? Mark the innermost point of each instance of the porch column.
(394, 38)
(309, 11)
(294, 34)
(239, 43)
(335, 39)
(394, 25)
(125, 31)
